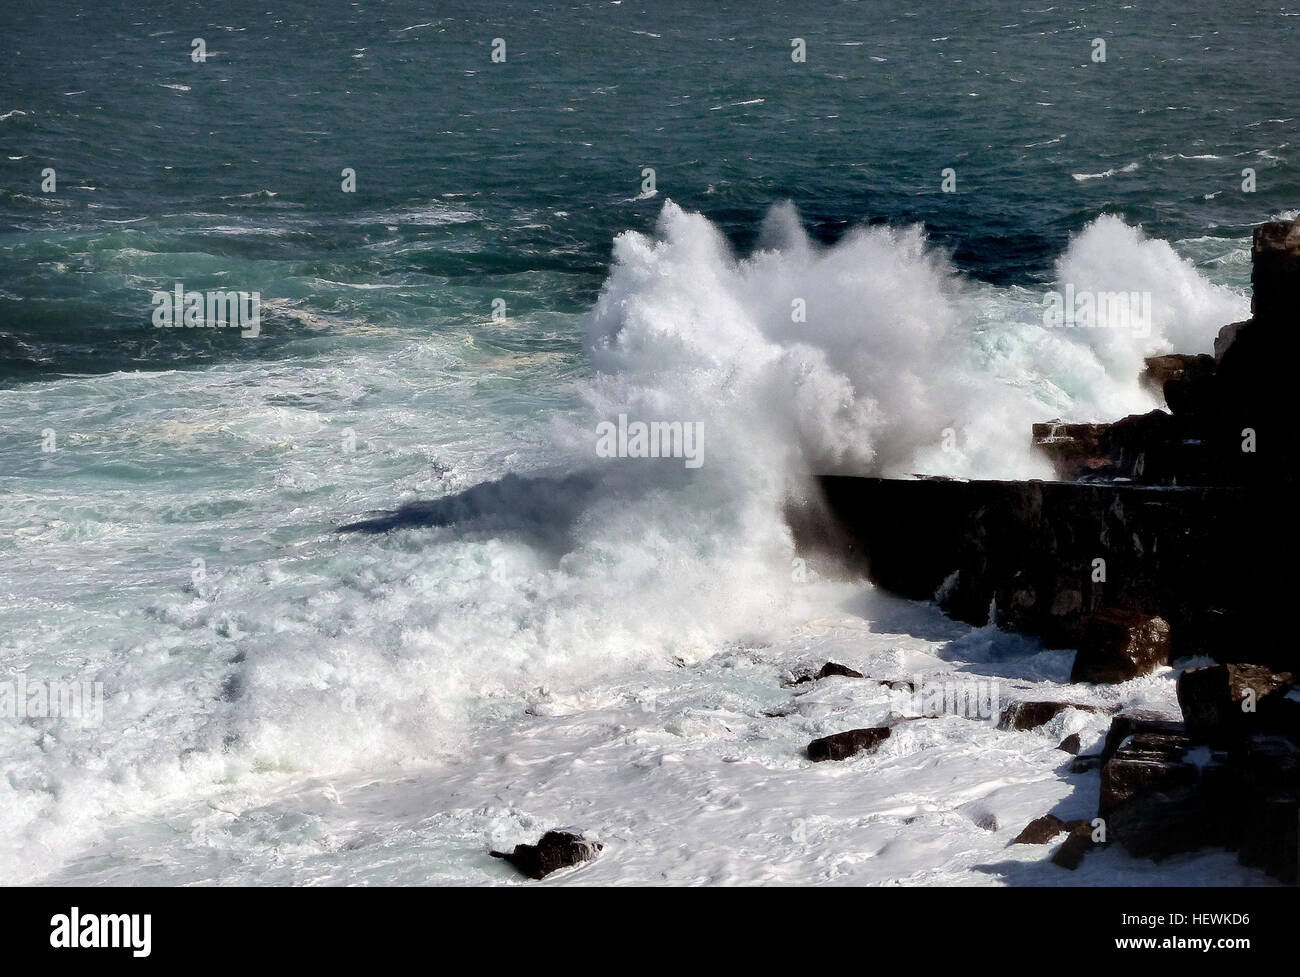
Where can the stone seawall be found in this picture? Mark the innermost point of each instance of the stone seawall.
(1046, 558)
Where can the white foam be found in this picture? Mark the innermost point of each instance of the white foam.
(307, 654)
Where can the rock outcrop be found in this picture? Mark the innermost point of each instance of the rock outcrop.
(1169, 534)
(1048, 828)
(1227, 421)
(1031, 715)
(1218, 778)
(1164, 537)
(555, 850)
(829, 670)
(841, 746)
(1116, 645)
(1223, 704)
(1082, 565)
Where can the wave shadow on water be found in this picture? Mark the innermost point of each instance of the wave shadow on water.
(542, 509)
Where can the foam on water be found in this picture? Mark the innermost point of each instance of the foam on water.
(300, 652)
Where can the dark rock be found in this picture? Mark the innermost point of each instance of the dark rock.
(1118, 645)
(1267, 798)
(827, 670)
(840, 746)
(1151, 799)
(1144, 761)
(555, 850)
(1041, 830)
(1139, 721)
(1275, 271)
(1223, 703)
(1280, 713)
(986, 820)
(1086, 763)
(1256, 368)
(1271, 837)
(1031, 715)
(1027, 550)
(1071, 744)
(1225, 338)
(1077, 845)
(1160, 370)
(1155, 448)
(1075, 450)
(1195, 399)
(1156, 802)
(1184, 381)
(835, 668)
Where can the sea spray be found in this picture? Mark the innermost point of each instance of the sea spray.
(306, 654)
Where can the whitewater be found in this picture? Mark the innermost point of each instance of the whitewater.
(564, 639)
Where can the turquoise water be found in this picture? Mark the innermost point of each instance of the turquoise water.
(177, 543)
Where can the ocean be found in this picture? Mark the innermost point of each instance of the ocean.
(478, 232)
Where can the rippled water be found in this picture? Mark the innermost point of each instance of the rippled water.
(177, 543)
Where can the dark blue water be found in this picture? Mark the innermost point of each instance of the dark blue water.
(477, 178)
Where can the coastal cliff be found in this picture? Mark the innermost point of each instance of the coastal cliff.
(1169, 535)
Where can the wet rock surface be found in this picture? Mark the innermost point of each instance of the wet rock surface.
(1071, 744)
(555, 850)
(829, 670)
(1170, 534)
(1042, 830)
(1114, 559)
(1215, 780)
(1031, 715)
(1223, 703)
(841, 746)
(1117, 645)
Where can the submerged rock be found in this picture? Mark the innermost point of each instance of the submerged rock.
(1049, 827)
(555, 850)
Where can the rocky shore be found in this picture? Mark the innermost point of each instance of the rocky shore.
(1169, 535)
